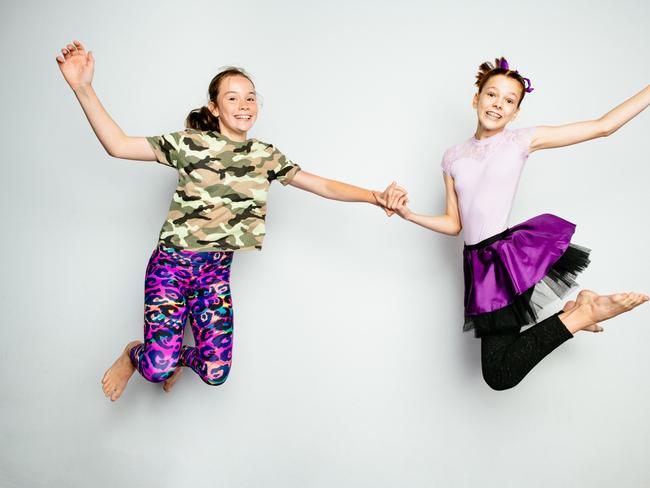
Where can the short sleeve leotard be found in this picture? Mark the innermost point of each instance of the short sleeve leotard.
(486, 175)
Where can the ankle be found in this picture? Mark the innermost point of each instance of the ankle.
(577, 318)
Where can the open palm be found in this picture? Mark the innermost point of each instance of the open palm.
(76, 65)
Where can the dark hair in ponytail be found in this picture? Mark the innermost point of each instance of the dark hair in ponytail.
(487, 70)
(201, 118)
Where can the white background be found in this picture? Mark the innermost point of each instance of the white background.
(350, 368)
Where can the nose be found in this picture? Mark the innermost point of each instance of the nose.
(497, 103)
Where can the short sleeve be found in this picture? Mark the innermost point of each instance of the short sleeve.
(446, 162)
(167, 148)
(523, 138)
(282, 169)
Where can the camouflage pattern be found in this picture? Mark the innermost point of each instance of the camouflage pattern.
(220, 201)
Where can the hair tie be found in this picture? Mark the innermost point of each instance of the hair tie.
(529, 88)
(503, 64)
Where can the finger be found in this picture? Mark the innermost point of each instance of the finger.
(390, 199)
(78, 46)
(60, 59)
(66, 53)
(71, 48)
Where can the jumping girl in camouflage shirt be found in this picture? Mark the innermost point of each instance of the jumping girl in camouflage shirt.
(218, 207)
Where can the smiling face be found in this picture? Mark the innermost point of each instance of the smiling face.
(236, 107)
(497, 104)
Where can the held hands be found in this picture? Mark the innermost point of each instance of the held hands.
(76, 65)
(391, 196)
(396, 199)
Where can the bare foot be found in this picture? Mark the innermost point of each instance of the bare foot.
(608, 306)
(585, 297)
(118, 375)
(569, 306)
(169, 383)
(592, 308)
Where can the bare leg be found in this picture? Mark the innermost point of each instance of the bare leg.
(118, 375)
(169, 383)
(591, 308)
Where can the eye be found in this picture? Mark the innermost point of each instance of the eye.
(251, 99)
(491, 95)
(510, 101)
(231, 99)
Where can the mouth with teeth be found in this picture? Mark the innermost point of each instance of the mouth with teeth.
(243, 117)
(493, 115)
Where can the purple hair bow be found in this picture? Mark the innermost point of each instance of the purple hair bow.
(504, 65)
(529, 87)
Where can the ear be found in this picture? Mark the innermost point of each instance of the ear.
(213, 108)
(475, 101)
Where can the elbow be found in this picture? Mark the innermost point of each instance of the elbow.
(606, 128)
(455, 229)
(113, 150)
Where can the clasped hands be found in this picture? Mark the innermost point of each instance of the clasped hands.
(393, 200)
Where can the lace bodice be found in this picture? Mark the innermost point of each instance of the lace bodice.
(486, 175)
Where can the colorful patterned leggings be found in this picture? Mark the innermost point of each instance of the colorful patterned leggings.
(179, 284)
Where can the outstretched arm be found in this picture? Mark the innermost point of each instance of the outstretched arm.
(449, 223)
(336, 190)
(546, 137)
(77, 67)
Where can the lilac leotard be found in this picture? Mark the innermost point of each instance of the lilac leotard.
(486, 174)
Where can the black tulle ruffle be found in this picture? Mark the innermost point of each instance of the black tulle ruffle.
(560, 279)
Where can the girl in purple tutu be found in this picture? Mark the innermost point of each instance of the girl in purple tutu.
(510, 272)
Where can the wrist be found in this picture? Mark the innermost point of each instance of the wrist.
(82, 89)
(408, 215)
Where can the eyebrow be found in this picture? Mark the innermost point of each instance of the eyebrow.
(495, 88)
(236, 93)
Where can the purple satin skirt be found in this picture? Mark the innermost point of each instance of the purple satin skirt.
(503, 271)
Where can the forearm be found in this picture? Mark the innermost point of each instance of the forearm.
(566, 135)
(336, 190)
(110, 135)
(444, 224)
(626, 111)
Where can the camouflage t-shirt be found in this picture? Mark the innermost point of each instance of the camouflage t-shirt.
(220, 201)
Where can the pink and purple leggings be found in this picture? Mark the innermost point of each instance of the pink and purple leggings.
(181, 284)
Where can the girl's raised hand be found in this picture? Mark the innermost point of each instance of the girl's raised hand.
(76, 65)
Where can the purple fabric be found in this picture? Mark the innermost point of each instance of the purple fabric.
(529, 85)
(496, 273)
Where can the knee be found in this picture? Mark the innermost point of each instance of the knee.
(498, 381)
(156, 366)
(216, 372)
(158, 375)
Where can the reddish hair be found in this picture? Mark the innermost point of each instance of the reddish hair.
(487, 70)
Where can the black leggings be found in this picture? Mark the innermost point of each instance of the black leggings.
(507, 357)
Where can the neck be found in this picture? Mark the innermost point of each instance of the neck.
(236, 136)
(483, 133)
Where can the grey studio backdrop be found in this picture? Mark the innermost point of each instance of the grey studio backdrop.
(350, 368)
